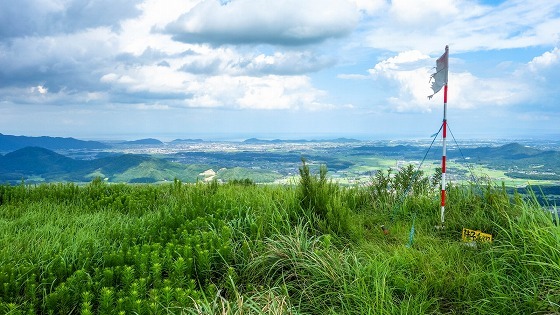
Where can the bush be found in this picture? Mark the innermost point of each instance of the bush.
(322, 203)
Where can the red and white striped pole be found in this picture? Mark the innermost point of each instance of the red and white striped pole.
(443, 157)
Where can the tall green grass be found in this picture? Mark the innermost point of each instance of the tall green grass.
(310, 248)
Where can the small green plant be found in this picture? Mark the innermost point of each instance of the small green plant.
(310, 248)
(321, 202)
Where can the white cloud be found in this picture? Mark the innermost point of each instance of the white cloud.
(228, 61)
(263, 93)
(54, 17)
(140, 33)
(369, 6)
(395, 63)
(69, 50)
(76, 53)
(137, 65)
(352, 76)
(423, 12)
(465, 25)
(39, 89)
(469, 91)
(542, 75)
(288, 22)
(466, 91)
(217, 90)
(546, 60)
(148, 79)
(43, 96)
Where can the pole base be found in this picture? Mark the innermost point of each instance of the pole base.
(440, 227)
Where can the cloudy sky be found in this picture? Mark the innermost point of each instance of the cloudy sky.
(129, 69)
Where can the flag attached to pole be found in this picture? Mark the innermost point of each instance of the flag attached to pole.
(440, 76)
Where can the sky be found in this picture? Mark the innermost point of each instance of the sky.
(233, 69)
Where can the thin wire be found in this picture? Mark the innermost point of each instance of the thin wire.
(416, 173)
(468, 165)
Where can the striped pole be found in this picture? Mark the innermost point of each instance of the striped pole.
(440, 80)
(443, 157)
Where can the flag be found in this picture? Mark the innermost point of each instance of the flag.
(440, 77)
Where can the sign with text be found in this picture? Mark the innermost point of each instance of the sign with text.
(476, 236)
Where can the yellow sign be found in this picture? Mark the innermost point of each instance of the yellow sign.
(476, 236)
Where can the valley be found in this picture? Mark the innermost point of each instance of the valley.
(349, 162)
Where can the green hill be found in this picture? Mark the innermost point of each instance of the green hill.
(33, 164)
(10, 143)
(34, 161)
(515, 155)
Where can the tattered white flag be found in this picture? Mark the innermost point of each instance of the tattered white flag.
(440, 77)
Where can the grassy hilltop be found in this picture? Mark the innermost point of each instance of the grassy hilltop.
(240, 248)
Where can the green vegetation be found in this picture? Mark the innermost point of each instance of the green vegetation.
(256, 175)
(349, 163)
(314, 247)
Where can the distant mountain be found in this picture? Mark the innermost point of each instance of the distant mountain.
(148, 141)
(11, 143)
(34, 163)
(33, 160)
(261, 141)
(514, 155)
(117, 164)
(505, 157)
(185, 141)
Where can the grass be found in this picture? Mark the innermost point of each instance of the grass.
(313, 247)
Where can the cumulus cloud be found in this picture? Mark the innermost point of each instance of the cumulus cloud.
(48, 17)
(369, 6)
(226, 61)
(465, 25)
(172, 55)
(549, 60)
(466, 90)
(406, 58)
(265, 93)
(542, 74)
(182, 89)
(39, 89)
(43, 96)
(62, 61)
(133, 64)
(422, 12)
(289, 22)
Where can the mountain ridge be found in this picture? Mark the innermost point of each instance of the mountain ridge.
(32, 162)
(11, 143)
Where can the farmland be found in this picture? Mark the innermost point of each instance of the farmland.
(349, 162)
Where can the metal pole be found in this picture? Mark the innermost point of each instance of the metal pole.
(444, 155)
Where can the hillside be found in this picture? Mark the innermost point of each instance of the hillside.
(515, 156)
(10, 143)
(34, 161)
(239, 248)
(349, 163)
(33, 164)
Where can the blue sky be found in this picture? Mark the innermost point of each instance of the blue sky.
(128, 69)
